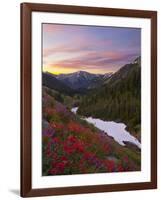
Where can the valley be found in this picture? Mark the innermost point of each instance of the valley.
(92, 122)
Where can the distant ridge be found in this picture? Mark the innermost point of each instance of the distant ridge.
(49, 80)
(82, 80)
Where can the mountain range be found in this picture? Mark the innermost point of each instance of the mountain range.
(82, 79)
(77, 82)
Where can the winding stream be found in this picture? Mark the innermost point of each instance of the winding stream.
(114, 129)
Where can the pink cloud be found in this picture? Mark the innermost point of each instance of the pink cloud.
(96, 60)
(52, 28)
(80, 45)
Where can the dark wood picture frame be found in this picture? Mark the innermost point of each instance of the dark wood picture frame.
(26, 104)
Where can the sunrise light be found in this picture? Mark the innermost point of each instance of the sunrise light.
(95, 49)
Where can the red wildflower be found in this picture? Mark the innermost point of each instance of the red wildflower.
(52, 171)
(68, 149)
(110, 164)
(88, 155)
(48, 153)
(74, 127)
(64, 159)
(57, 126)
(78, 146)
(71, 138)
(59, 166)
(49, 111)
(55, 140)
(120, 168)
(73, 144)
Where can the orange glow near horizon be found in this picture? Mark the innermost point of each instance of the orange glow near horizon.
(59, 70)
(95, 49)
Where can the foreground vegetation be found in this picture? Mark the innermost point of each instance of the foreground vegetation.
(72, 146)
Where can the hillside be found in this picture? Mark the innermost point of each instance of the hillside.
(119, 98)
(73, 146)
(51, 82)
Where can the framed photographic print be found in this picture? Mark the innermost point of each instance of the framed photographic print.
(88, 99)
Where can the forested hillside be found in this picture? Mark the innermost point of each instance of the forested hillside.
(51, 82)
(119, 99)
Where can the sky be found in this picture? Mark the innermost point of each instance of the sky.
(95, 49)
